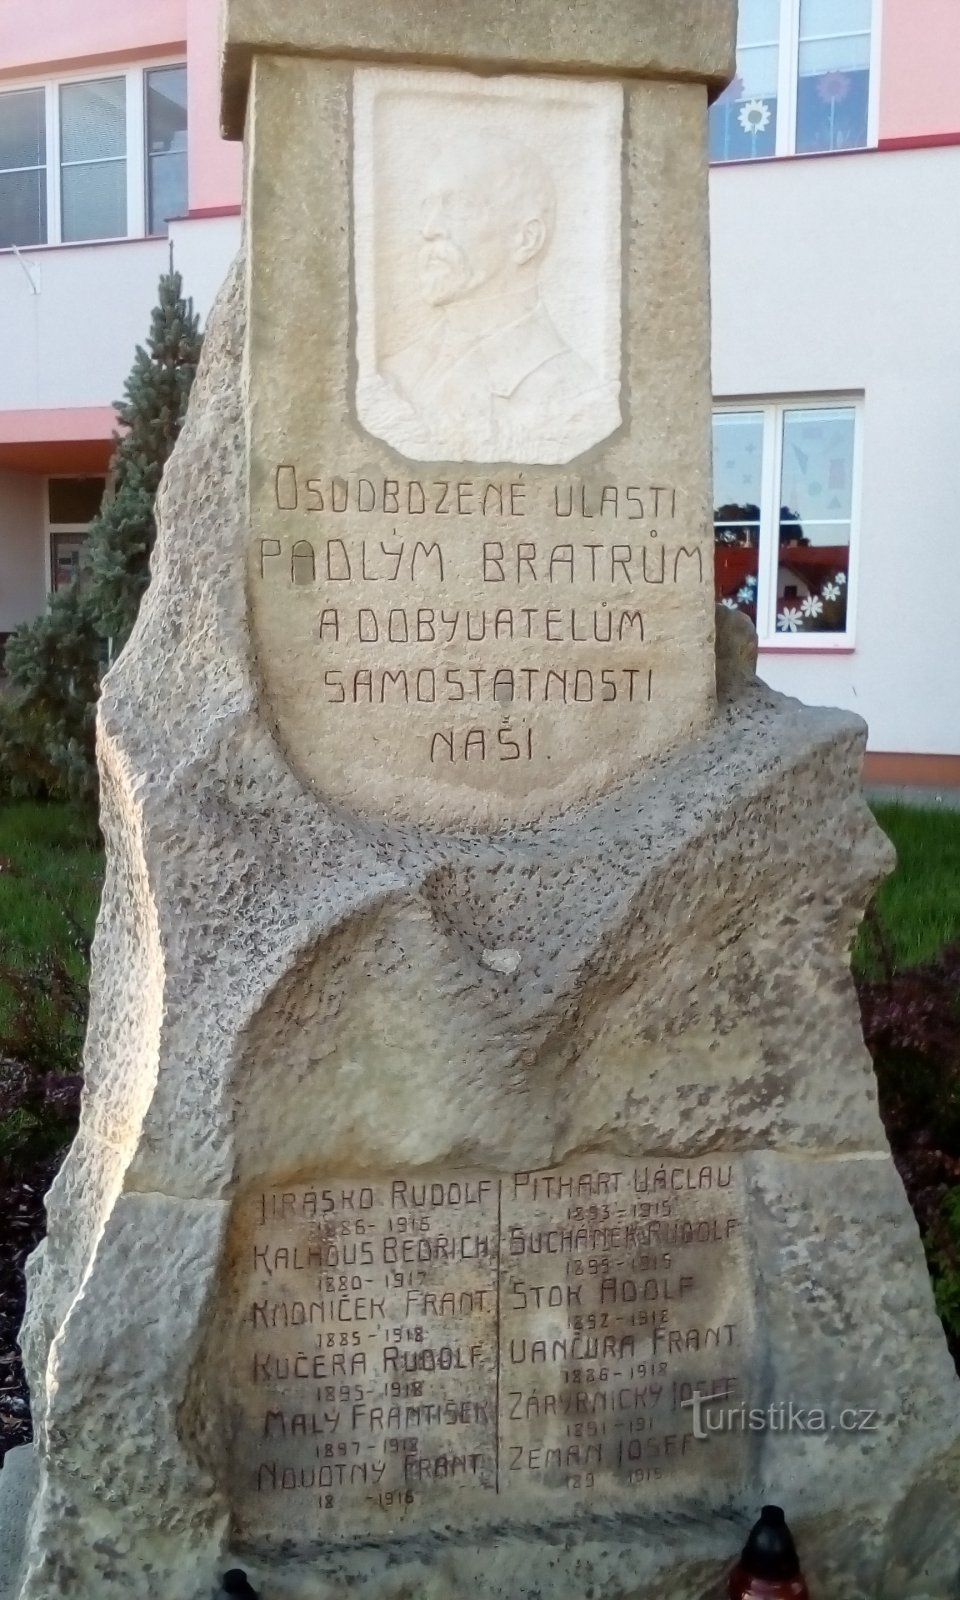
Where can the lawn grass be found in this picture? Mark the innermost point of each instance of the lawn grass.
(50, 858)
(918, 908)
(51, 874)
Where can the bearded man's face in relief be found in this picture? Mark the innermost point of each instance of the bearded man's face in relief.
(487, 216)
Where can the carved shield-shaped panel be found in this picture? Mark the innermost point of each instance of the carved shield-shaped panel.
(481, 552)
(487, 250)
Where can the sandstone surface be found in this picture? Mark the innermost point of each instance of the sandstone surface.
(478, 1134)
(327, 1017)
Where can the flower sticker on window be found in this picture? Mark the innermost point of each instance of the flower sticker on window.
(833, 87)
(812, 606)
(789, 620)
(754, 116)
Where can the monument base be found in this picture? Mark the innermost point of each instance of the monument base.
(599, 1082)
(18, 1481)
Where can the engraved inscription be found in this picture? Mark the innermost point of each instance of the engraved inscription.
(474, 1346)
(487, 251)
(503, 590)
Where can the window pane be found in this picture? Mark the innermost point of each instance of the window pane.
(743, 122)
(819, 17)
(23, 208)
(757, 74)
(167, 109)
(166, 146)
(743, 127)
(65, 552)
(23, 132)
(95, 200)
(817, 482)
(833, 89)
(816, 499)
(737, 478)
(737, 459)
(851, 53)
(812, 583)
(168, 190)
(758, 22)
(93, 120)
(73, 500)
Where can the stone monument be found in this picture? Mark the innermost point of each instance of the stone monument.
(480, 1188)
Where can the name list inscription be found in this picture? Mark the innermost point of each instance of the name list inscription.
(458, 1345)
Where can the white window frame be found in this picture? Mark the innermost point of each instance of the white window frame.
(772, 408)
(788, 63)
(136, 150)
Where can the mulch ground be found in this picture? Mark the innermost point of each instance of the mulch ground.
(24, 1221)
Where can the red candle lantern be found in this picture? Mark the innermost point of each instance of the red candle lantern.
(769, 1568)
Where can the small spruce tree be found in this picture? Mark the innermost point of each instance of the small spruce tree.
(54, 663)
(116, 567)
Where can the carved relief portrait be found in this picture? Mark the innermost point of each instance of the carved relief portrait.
(487, 264)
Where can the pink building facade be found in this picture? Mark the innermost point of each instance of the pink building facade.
(110, 154)
(836, 256)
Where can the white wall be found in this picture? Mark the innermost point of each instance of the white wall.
(71, 316)
(23, 551)
(839, 274)
(71, 344)
(202, 253)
